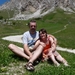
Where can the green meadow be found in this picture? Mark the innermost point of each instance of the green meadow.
(58, 23)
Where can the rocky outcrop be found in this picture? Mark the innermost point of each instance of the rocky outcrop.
(28, 8)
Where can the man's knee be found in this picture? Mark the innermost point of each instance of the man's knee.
(40, 47)
(10, 46)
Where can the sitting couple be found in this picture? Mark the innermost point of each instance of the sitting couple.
(36, 44)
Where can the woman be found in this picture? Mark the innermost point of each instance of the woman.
(49, 43)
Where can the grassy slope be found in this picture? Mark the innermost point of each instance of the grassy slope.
(52, 22)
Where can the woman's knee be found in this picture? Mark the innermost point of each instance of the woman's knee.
(50, 55)
(60, 58)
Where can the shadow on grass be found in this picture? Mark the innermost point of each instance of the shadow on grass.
(16, 57)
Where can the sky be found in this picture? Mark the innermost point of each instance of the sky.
(3, 1)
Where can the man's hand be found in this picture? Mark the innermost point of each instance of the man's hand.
(30, 56)
(43, 44)
(31, 49)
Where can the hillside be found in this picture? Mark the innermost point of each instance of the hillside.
(26, 9)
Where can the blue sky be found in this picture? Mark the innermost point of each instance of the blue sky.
(3, 1)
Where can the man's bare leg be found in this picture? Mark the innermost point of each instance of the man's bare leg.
(17, 50)
(36, 53)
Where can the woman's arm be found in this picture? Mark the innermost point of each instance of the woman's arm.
(36, 45)
(53, 41)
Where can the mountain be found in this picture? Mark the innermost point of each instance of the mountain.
(25, 9)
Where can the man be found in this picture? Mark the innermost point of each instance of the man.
(29, 39)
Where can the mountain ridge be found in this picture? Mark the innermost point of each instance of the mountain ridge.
(31, 8)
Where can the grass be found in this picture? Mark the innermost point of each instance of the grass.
(11, 64)
(7, 13)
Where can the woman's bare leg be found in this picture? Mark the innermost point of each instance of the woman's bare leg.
(51, 56)
(17, 50)
(60, 58)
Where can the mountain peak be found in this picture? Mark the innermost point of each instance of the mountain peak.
(27, 7)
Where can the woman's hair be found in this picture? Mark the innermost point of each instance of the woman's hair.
(42, 31)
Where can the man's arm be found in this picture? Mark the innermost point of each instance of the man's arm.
(35, 46)
(26, 49)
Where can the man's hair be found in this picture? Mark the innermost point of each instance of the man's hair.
(31, 21)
